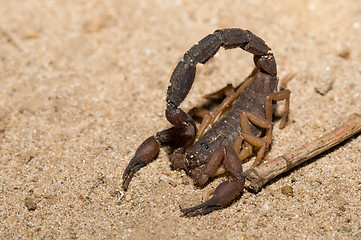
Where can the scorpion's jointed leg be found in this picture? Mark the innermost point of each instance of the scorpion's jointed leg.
(209, 118)
(206, 119)
(227, 191)
(278, 96)
(229, 90)
(284, 81)
(261, 143)
(230, 95)
(221, 93)
(243, 151)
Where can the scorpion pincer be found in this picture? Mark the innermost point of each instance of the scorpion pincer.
(245, 126)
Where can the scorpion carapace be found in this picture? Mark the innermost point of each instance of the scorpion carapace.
(245, 126)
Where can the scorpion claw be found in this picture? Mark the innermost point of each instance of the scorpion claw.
(224, 194)
(146, 152)
(129, 173)
(201, 209)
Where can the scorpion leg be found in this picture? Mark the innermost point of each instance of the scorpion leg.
(246, 151)
(228, 90)
(261, 143)
(243, 152)
(227, 191)
(209, 118)
(221, 93)
(202, 113)
(231, 96)
(278, 96)
(284, 81)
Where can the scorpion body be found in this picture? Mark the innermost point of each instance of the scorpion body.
(245, 126)
(228, 128)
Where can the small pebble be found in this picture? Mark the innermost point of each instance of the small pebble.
(287, 190)
(324, 85)
(344, 53)
(128, 197)
(30, 204)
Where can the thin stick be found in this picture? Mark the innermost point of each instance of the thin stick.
(263, 173)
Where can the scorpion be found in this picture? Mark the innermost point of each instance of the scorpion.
(240, 127)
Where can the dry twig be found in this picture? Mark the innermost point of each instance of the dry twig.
(263, 173)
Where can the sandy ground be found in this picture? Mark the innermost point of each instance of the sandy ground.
(83, 83)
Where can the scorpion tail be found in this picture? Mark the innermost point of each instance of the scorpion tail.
(183, 75)
(145, 153)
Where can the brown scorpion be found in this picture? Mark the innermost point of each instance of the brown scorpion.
(243, 122)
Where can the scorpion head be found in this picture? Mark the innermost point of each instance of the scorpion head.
(199, 154)
(202, 151)
(180, 160)
(192, 161)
